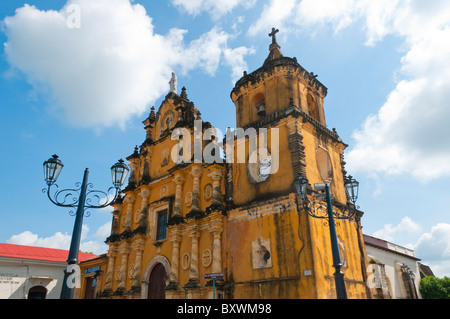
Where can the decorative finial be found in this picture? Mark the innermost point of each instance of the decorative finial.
(273, 35)
(183, 93)
(152, 116)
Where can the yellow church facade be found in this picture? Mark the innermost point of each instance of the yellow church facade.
(238, 216)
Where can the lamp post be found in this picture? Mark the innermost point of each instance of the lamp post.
(317, 209)
(69, 198)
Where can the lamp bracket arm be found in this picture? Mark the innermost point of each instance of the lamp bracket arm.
(100, 199)
(65, 193)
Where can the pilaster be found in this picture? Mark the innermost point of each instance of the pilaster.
(112, 253)
(129, 199)
(124, 250)
(138, 246)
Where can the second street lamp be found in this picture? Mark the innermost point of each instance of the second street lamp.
(317, 209)
(68, 198)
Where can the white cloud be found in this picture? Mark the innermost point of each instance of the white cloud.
(313, 15)
(392, 233)
(216, 8)
(275, 14)
(104, 231)
(434, 249)
(62, 241)
(235, 59)
(109, 69)
(27, 238)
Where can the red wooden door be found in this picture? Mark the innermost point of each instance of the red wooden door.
(157, 283)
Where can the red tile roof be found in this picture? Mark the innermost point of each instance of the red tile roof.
(39, 253)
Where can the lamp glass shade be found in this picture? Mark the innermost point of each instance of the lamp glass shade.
(352, 188)
(301, 185)
(119, 173)
(52, 168)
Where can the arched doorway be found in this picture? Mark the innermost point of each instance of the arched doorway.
(152, 278)
(37, 292)
(157, 282)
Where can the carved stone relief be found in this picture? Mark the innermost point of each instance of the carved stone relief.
(206, 258)
(207, 192)
(186, 261)
(137, 215)
(188, 199)
(131, 271)
(261, 253)
(259, 167)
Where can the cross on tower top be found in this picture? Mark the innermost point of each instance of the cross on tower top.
(273, 35)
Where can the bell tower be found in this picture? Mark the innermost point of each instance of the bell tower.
(282, 95)
(271, 88)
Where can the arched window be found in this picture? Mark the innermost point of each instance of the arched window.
(37, 292)
(312, 106)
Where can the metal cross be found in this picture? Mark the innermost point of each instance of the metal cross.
(273, 34)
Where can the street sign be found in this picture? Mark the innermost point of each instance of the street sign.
(214, 276)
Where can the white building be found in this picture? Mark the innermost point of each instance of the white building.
(28, 272)
(393, 270)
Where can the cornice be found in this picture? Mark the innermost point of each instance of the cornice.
(270, 68)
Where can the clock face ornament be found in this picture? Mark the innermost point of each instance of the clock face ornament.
(259, 166)
(264, 168)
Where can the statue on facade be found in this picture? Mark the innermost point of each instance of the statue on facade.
(173, 84)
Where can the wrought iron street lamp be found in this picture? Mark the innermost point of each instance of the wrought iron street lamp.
(410, 276)
(318, 209)
(83, 198)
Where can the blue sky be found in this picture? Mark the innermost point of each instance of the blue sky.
(82, 92)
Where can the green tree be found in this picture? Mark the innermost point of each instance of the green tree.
(435, 288)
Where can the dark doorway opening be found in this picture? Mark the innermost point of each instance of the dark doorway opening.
(157, 283)
(37, 292)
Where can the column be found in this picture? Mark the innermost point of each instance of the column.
(112, 253)
(217, 251)
(145, 179)
(134, 162)
(138, 246)
(193, 271)
(178, 180)
(115, 223)
(124, 250)
(145, 195)
(216, 196)
(175, 238)
(130, 199)
(216, 229)
(196, 172)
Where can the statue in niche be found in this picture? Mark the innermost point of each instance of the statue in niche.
(167, 122)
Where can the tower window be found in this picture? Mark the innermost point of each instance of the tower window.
(260, 104)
